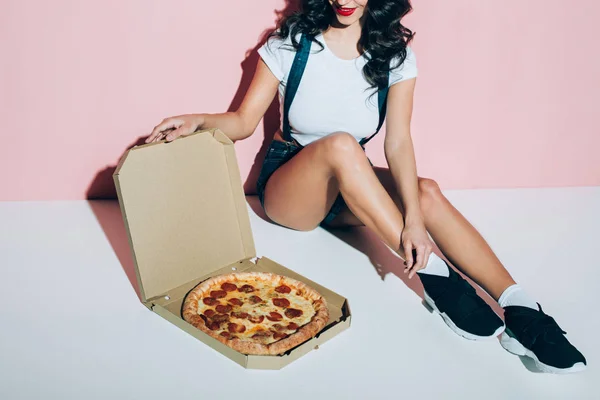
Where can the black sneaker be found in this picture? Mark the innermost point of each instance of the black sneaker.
(535, 334)
(461, 308)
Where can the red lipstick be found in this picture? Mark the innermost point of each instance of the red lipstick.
(345, 12)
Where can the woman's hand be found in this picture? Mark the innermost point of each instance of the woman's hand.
(173, 127)
(414, 236)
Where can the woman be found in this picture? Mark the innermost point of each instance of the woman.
(354, 64)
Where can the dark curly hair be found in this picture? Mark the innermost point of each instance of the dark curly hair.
(383, 36)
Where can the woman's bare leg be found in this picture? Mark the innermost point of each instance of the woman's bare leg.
(460, 242)
(466, 249)
(300, 192)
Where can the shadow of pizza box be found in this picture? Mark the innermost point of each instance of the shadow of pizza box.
(187, 221)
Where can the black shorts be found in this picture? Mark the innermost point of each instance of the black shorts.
(278, 154)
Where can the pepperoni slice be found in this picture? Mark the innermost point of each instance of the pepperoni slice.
(292, 326)
(223, 309)
(236, 328)
(209, 301)
(218, 294)
(280, 302)
(260, 334)
(246, 289)
(274, 316)
(257, 319)
(278, 327)
(229, 287)
(220, 317)
(235, 302)
(209, 313)
(240, 315)
(280, 335)
(291, 313)
(225, 334)
(204, 318)
(283, 289)
(255, 299)
(213, 326)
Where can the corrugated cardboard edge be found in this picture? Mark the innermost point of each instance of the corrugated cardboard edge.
(238, 194)
(129, 239)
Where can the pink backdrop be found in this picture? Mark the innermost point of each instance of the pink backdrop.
(506, 94)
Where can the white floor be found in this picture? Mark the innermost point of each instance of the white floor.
(53, 345)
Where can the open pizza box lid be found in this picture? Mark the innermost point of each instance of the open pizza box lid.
(186, 218)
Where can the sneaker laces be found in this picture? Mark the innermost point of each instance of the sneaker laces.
(541, 324)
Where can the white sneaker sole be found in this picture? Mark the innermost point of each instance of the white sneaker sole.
(513, 346)
(431, 305)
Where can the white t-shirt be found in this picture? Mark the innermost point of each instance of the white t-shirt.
(333, 94)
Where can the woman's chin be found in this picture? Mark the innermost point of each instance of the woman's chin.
(345, 21)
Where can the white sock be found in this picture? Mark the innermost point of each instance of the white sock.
(514, 295)
(435, 266)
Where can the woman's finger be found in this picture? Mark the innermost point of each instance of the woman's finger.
(162, 135)
(408, 255)
(163, 126)
(184, 129)
(420, 256)
(426, 257)
(156, 132)
(419, 263)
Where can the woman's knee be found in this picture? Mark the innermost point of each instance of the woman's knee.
(429, 192)
(342, 148)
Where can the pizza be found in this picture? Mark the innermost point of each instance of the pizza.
(256, 312)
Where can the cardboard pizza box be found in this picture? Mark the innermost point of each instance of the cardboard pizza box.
(187, 220)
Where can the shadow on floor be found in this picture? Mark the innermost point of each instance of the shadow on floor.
(108, 214)
(383, 260)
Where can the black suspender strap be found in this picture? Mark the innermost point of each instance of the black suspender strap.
(382, 105)
(293, 82)
(294, 78)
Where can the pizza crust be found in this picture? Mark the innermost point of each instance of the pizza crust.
(305, 332)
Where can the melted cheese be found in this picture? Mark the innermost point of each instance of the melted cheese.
(267, 294)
